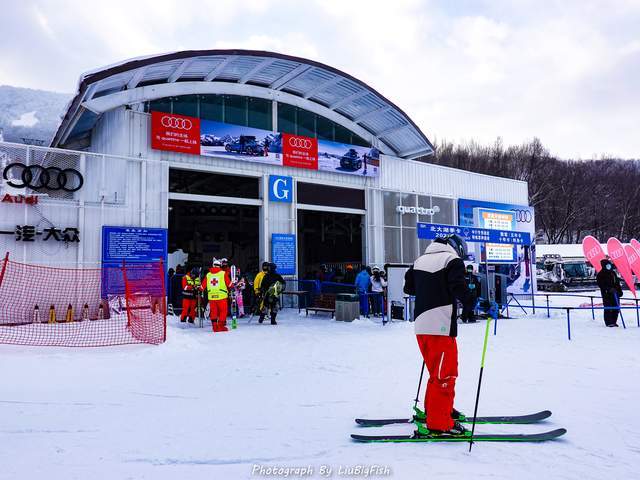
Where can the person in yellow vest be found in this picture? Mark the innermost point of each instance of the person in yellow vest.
(190, 288)
(257, 287)
(217, 285)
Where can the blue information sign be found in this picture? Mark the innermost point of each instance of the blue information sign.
(283, 252)
(131, 245)
(429, 231)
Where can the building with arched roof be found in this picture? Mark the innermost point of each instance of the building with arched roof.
(254, 156)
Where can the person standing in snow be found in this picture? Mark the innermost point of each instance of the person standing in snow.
(611, 291)
(271, 287)
(190, 290)
(378, 284)
(363, 284)
(468, 314)
(217, 286)
(437, 280)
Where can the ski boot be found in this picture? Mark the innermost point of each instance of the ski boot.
(420, 417)
(457, 430)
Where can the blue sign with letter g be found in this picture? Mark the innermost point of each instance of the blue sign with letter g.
(280, 188)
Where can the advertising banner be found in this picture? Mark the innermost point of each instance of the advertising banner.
(283, 252)
(191, 135)
(299, 151)
(175, 133)
(349, 159)
(619, 258)
(520, 277)
(430, 231)
(633, 257)
(593, 252)
(635, 244)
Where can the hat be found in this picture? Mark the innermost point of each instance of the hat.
(216, 262)
(349, 267)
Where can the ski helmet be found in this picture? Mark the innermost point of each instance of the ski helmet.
(265, 266)
(456, 242)
(216, 262)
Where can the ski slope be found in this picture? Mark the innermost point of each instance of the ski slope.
(205, 406)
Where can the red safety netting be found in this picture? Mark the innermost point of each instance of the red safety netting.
(82, 307)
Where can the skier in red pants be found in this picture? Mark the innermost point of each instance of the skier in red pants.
(437, 279)
(217, 285)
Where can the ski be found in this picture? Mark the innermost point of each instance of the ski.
(509, 419)
(501, 437)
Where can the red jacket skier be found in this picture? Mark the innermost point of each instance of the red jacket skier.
(190, 289)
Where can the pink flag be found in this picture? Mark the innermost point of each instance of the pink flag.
(593, 251)
(635, 244)
(619, 259)
(633, 257)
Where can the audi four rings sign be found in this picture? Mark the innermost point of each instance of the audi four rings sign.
(299, 152)
(175, 133)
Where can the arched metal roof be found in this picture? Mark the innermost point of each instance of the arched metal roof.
(320, 87)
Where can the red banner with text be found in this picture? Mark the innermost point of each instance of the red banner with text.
(299, 151)
(175, 133)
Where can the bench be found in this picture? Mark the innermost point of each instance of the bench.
(325, 303)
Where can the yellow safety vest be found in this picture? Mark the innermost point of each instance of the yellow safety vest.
(216, 286)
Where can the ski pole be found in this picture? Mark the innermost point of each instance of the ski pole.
(475, 410)
(415, 405)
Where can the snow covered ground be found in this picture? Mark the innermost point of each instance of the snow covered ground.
(205, 406)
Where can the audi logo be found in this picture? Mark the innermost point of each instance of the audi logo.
(38, 177)
(523, 216)
(300, 142)
(177, 123)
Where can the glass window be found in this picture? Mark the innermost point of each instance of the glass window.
(408, 219)
(446, 213)
(390, 201)
(306, 123)
(286, 118)
(342, 134)
(392, 245)
(324, 128)
(160, 105)
(235, 110)
(186, 105)
(211, 107)
(424, 201)
(260, 113)
(422, 245)
(356, 140)
(409, 245)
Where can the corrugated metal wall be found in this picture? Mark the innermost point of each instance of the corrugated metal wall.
(416, 177)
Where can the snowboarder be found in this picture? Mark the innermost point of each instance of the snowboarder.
(271, 287)
(611, 291)
(437, 279)
(217, 285)
(190, 290)
(468, 314)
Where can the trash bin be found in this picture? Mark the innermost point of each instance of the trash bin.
(347, 307)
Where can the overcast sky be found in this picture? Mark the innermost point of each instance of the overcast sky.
(566, 71)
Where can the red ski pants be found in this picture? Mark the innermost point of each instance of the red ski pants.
(188, 308)
(218, 314)
(440, 355)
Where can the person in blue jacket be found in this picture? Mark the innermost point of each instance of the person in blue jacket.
(363, 284)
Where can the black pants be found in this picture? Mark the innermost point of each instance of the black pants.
(609, 300)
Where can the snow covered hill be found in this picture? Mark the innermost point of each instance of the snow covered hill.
(215, 406)
(31, 114)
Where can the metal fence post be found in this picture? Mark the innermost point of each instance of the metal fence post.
(593, 313)
(637, 314)
(568, 323)
(548, 312)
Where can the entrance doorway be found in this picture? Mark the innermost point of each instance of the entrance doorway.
(328, 238)
(199, 231)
